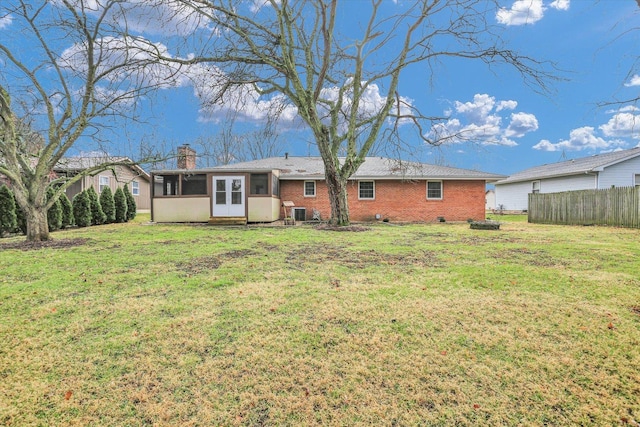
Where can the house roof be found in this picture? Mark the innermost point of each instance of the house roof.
(573, 167)
(81, 163)
(295, 168)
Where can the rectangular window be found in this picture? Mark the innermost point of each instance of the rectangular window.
(434, 190)
(637, 181)
(135, 188)
(275, 186)
(259, 183)
(309, 189)
(194, 184)
(535, 187)
(169, 185)
(366, 190)
(236, 192)
(221, 192)
(103, 183)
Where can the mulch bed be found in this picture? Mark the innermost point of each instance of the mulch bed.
(25, 245)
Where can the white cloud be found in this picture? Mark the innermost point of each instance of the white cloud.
(157, 17)
(256, 5)
(521, 12)
(634, 81)
(521, 123)
(5, 21)
(583, 138)
(506, 105)
(477, 121)
(560, 4)
(247, 105)
(622, 125)
(131, 61)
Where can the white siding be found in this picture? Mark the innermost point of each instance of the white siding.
(568, 183)
(620, 175)
(515, 196)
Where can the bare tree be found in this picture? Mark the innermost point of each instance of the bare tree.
(232, 145)
(67, 70)
(292, 51)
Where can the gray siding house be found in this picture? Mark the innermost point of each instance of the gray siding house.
(616, 169)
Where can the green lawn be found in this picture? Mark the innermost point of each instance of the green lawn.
(178, 325)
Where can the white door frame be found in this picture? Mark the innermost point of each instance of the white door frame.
(229, 201)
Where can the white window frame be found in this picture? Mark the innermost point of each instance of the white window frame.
(101, 184)
(535, 187)
(373, 187)
(135, 188)
(304, 189)
(441, 190)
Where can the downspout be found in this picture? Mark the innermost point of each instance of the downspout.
(152, 193)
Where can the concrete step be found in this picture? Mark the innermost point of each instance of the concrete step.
(227, 220)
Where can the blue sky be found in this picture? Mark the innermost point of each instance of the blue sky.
(593, 43)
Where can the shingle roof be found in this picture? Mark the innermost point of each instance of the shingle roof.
(373, 168)
(573, 167)
(82, 163)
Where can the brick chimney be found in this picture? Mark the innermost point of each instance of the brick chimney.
(186, 157)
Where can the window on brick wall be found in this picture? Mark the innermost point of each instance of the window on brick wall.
(309, 189)
(366, 190)
(434, 190)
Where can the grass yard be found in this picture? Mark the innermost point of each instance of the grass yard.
(176, 325)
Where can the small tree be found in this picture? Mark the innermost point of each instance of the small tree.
(120, 201)
(131, 203)
(67, 211)
(8, 221)
(54, 213)
(97, 214)
(108, 205)
(82, 209)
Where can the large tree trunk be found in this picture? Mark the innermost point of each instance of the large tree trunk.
(338, 198)
(37, 225)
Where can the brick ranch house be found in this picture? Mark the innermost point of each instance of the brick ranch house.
(255, 191)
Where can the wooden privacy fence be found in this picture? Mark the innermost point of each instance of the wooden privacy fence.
(615, 206)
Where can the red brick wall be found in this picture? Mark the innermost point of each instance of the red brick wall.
(397, 201)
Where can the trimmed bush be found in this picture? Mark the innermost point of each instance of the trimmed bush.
(54, 214)
(131, 203)
(8, 220)
(67, 211)
(21, 222)
(82, 209)
(97, 214)
(120, 201)
(108, 205)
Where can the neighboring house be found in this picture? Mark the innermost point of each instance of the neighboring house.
(380, 189)
(615, 169)
(490, 200)
(115, 176)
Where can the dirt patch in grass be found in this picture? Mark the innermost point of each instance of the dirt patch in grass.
(25, 245)
(353, 228)
(525, 256)
(358, 259)
(212, 262)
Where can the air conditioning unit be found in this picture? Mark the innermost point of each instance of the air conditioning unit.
(299, 214)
